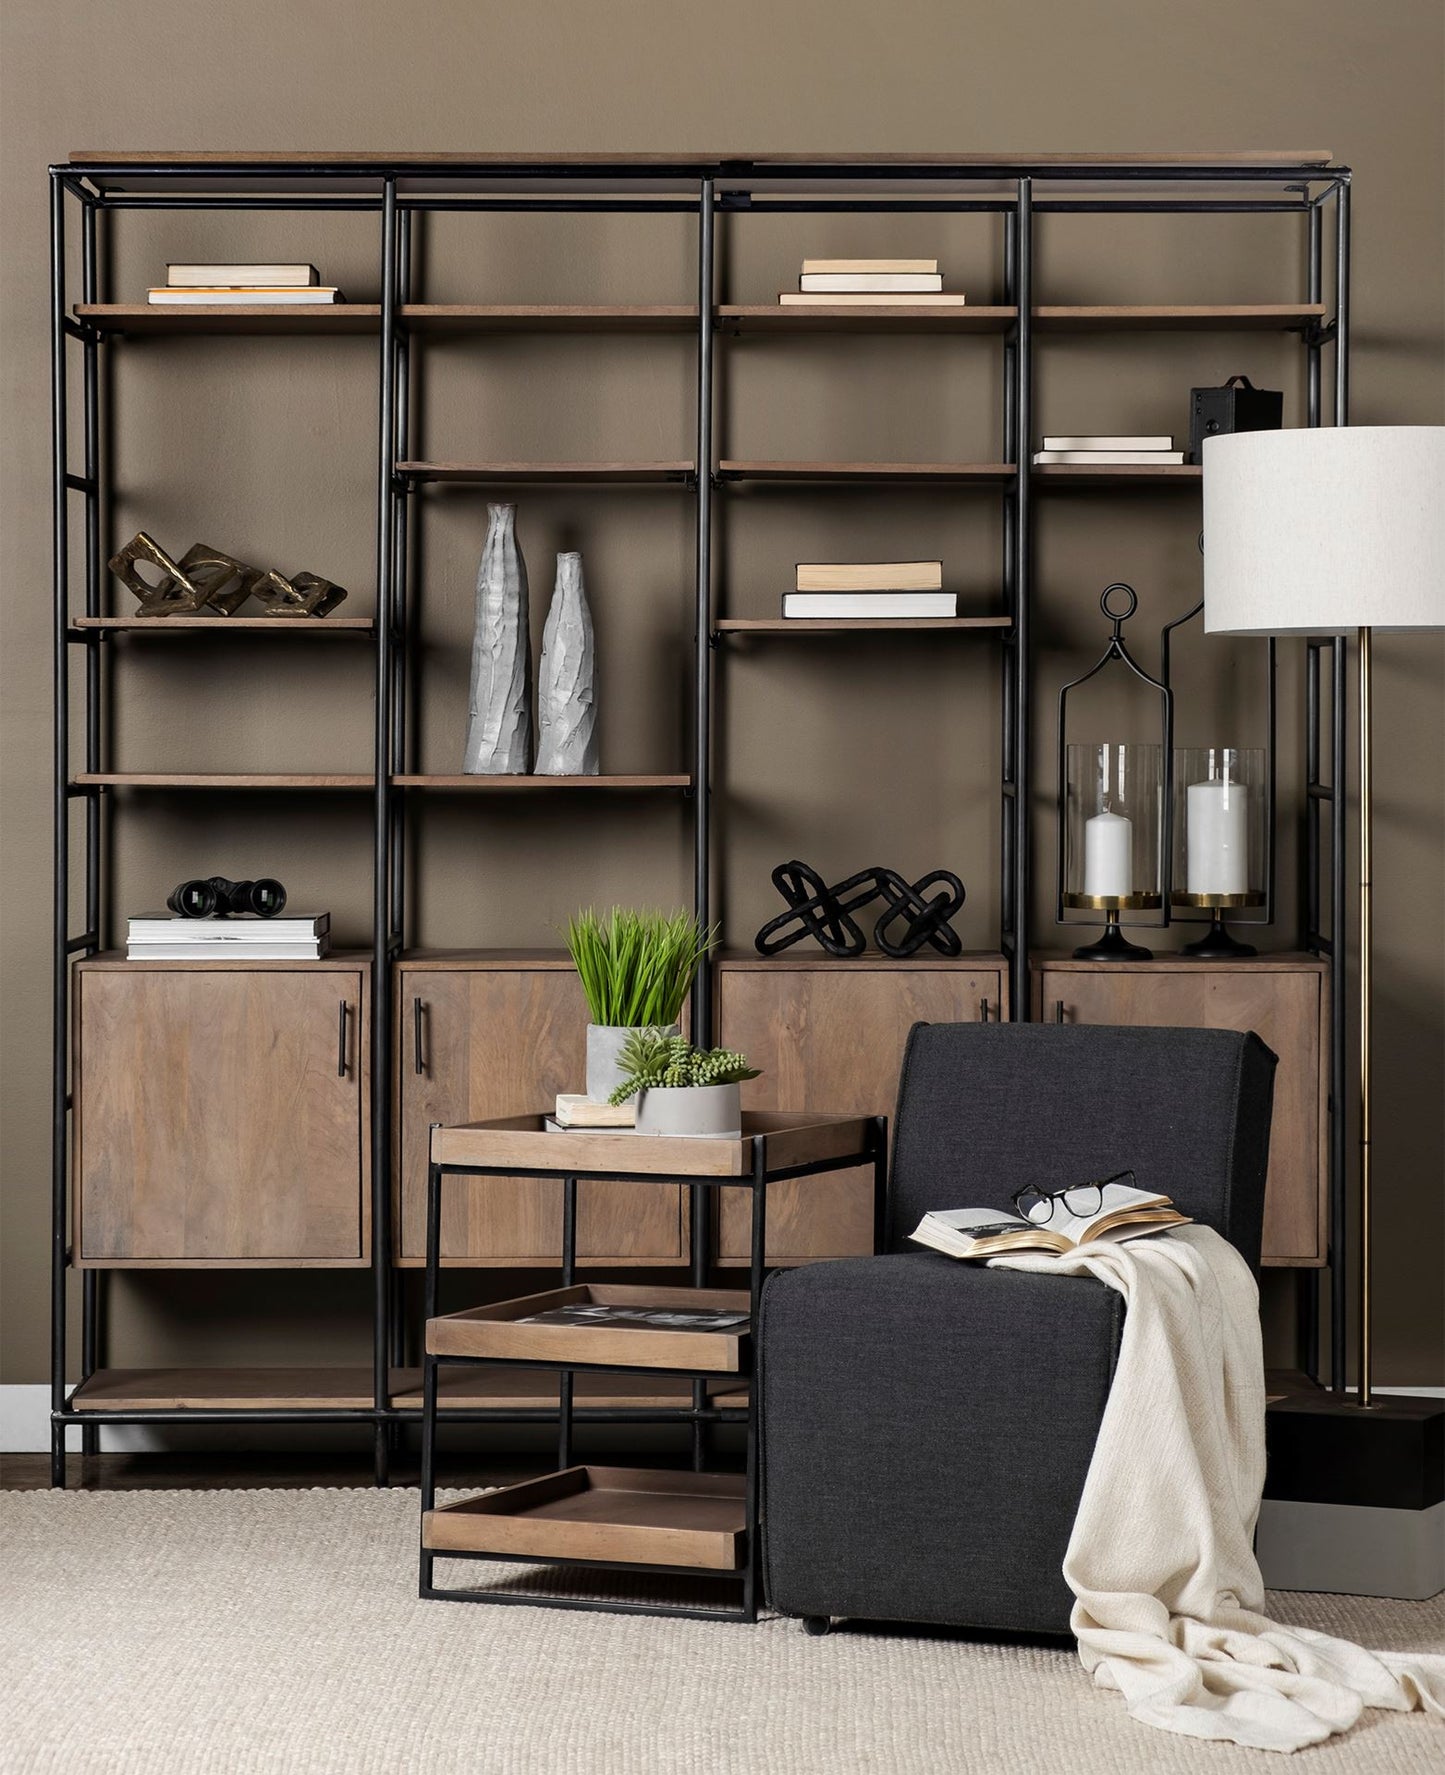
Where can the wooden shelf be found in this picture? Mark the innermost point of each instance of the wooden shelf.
(1120, 474)
(507, 1330)
(341, 318)
(503, 785)
(982, 474)
(516, 474)
(633, 1515)
(807, 957)
(772, 317)
(166, 779)
(349, 1389)
(1177, 317)
(810, 625)
(252, 625)
(548, 317)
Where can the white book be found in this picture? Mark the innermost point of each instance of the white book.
(1123, 1213)
(182, 277)
(159, 927)
(864, 605)
(1086, 442)
(251, 298)
(574, 1110)
(889, 267)
(1108, 458)
(868, 576)
(856, 282)
(313, 951)
(806, 299)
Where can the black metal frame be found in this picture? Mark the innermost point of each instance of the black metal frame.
(700, 1414)
(395, 191)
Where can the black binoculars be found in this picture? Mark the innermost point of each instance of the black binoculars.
(218, 898)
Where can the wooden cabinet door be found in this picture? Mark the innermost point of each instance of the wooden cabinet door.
(830, 1037)
(502, 1042)
(212, 1124)
(1285, 1010)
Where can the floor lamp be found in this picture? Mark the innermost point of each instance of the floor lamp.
(1340, 531)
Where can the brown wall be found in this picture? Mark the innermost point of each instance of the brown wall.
(839, 754)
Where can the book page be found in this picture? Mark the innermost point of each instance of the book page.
(1116, 1196)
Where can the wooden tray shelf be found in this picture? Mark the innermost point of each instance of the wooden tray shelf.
(224, 625)
(499, 1331)
(517, 474)
(963, 474)
(628, 1515)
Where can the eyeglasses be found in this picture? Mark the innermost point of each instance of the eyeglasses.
(1080, 1199)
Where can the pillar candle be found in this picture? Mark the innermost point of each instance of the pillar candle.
(1217, 844)
(1108, 855)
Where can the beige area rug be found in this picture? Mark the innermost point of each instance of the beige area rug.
(175, 1633)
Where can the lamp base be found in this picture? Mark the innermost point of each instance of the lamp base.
(1216, 944)
(1112, 946)
(1355, 1495)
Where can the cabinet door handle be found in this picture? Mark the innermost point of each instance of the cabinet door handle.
(1058, 1010)
(416, 1019)
(341, 1040)
(983, 1010)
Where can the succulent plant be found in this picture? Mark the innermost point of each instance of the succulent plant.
(653, 1061)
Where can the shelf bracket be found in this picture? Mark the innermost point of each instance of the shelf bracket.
(1319, 333)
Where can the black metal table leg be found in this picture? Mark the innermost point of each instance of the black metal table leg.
(428, 1465)
(569, 1276)
(757, 1269)
(880, 1183)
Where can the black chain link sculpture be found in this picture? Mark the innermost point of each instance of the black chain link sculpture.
(922, 908)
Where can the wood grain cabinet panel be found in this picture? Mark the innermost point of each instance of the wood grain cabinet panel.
(829, 1035)
(221, 1116)
(1285, 1001)
(498, 1040)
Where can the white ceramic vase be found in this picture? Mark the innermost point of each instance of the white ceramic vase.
(566, 680)
(499, 705)
(690, 1112)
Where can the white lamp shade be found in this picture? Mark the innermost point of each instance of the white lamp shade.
(1320, 531)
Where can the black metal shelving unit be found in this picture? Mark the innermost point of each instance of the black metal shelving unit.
(396, 189)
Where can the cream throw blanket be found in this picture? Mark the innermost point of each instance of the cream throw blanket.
(1161, 1561)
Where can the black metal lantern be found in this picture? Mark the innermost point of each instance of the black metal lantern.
(1115, 808)
(1224, 820)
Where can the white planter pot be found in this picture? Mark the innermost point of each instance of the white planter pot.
(605, 1042)
(690, 1111)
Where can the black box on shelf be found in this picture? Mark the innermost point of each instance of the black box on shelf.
(1238, 406)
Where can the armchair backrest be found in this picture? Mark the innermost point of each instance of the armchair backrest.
(985, 1109)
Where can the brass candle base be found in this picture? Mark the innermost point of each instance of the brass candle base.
(1216, 944)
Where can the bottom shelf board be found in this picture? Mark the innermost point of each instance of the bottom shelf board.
(632, 1515)
(349, 1389)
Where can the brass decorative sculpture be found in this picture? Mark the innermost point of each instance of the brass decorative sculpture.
(205, 576)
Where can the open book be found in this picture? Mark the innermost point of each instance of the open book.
(1123, 1213)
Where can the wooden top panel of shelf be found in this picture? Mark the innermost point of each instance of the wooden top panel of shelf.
(1175, 474)
(472, 961)
(114, 961)
(980, 473)
(255, 625)
(793, 1138)
(882, 317)
(1258, 316)
(1279, 962)
(167, 779)
(1263, 157)
(900, 625)
(678, 780)
(232, 317)
(517, 473)
(349, 1389)
(462, 317)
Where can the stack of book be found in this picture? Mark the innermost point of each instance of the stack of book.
(860, 589)
(214, 286)
(871, 283)
(1109, 452)
(159, 937)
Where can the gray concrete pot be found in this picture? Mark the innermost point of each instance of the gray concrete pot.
(605, 1042)
(690, 1111)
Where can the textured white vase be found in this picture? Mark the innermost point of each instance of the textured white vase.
(690, 1112)
(499, 707)
(566, 680)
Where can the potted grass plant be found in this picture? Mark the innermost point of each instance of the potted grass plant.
(636, 969)
(680, 1089)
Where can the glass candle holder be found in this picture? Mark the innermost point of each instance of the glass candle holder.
(1112, 851)
(1221, 803)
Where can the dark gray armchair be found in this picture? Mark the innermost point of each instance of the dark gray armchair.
(927, 1424)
